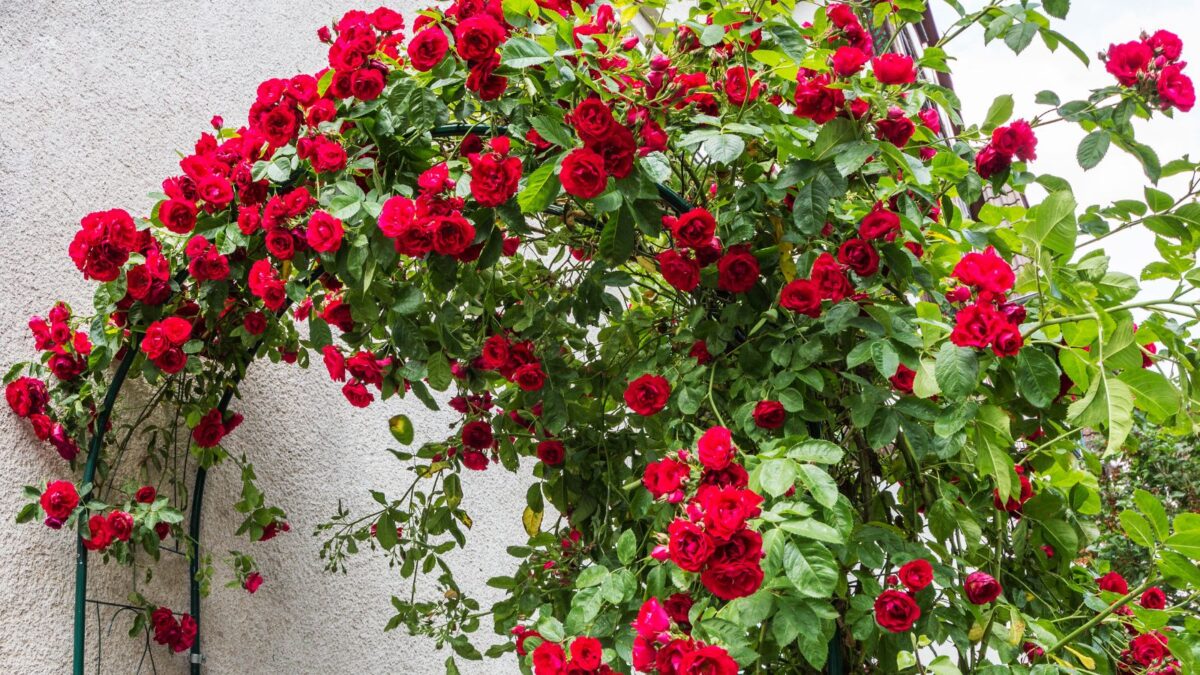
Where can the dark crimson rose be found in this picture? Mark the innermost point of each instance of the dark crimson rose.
(474, 460)
(730, 581)
(737, 270)
(678, 606)
(207, 263)
(586, 653)
(689, 546)
(990, 162)
(1113, 583)
(177, 215)
(529, 377)
(931, 119)
(830, 278)
(647, 394)
(335, 363)
(1176, 89)
(665, 476)
(478, 435)
(618, 151)
(59, 499)
(145, 495)
(1126, 61)
(1149, 648)
(1153, 598)
(916, 574)
(981, 588)
(551, 452)
(740, 86)
(715, 448)
(26, 396)
(801, 296)
(817, 101)
(330, 157)
(859, 256)
(896, 128)
(483, 80)
(974, 326)
(254, 323)
(1006, 339)
(478, 37)
(120, 524)
(494, 178)
(367, 84)
(548, 659)
(280, 243)
(842, 16)
(896, 612)
(679, 270)
(428, 48)
(494, 354)
(356, 393)
(894, 68)
(985, 271)
(215, 190)
(671, 655)
(769, 414)
(880, 223)
(1016, 139)
(324, 233)
(693, 229)
(699, 351)
(708, 660)
(727, 509)
(211, 429)
(452, 235)
(744, 546)
(101, 536)
(849, 60)
(583, 173)
(903, 379)
(592, 120)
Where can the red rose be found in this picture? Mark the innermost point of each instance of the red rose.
(280, 243)
(478, 435)
(324, 233)
(583, 173)
(727, 509)
(478, 37)
(1113, 583)
(255, 323)
(215, 190)
(145, 495)
(665, 477)
(737, 270)
(715, 448)
(120, 524)
(730, 581)
(896, 611)
(740, 86)
(586, 653)
(859, 256)
(367, 84)
(59, 500)
(618, 151)
(818, 102)
(894, 69)
(1149, 648)
(708, 660)
(990, 162)
(330, 157)
(693, 229)
(974, 326)
(880, 223)
(26, 396)
(981, 588)
(896, 128)
(647, 394)
(1166, 43)
(494, 178)
(452, 235)
(916, 574)
(356, 393)
(551, 452)
(592, 120)
(830, 278)
(428, 48)
(801, 296)
(769, 415)
(1016, 139)
(252, 582)
(211, 429)
(849, 60)
(177, 215)
(1006, 339)
(985, 271)
(903, 379)
(548, 659)
(671, 655)
(679, 270)
(1153, 598)
(482, 79)
(207, 263)
(100, 537)
(529, 377)
(689, 546)
(1176, 89)
(1126, 61)
(842, 16)
(652, 620)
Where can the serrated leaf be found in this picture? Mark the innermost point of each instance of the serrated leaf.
(1053, 226)
(999, 112)
(816, 450)
(619, 236)
(1057, 8)
(1137, 528)
(724, 149)
(541, 187)
(956, 370)
(1037, 377)
(1152, 393)
(519, 52)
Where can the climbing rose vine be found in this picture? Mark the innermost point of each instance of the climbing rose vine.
(787, 389)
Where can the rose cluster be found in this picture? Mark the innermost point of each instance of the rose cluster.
(896, 608)
(1014, 140)
(433, 222)
(67, 349)
(178, 634)
(663, 644)
(363, 368)
(990, 320)
(608, 150)
(1152, 66)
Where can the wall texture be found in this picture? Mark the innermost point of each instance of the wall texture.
(99, 96)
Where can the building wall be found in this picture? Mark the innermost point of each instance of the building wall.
(99, 95)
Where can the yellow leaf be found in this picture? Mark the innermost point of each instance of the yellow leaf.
(1085, 661)
(402, 429)
(976, 633)
(786, 264)
(532, 520)
(1016, 630)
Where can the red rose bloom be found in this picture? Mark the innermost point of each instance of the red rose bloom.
(981, 588)
(730, 581)
(530, 377)
(548, 659)
(715, 448)
(830, 278)
(737, 270)
(693, 229)
(727, 509)
(120, 525)
(894, 69)
(896, 128)
(177, 215)
(592, 120)
(252, 582)
(478, 37)
(1113, 583)
(367, 84)
(679, 270)
(583, 173)
(665, 477)
(478, 435)
(1176, 89)
(740, 86)
(59, 500)
(974, 326)
(859, 256)
(647, 394)
(452, 235)
(586, 653)
(903, 379)
(990, 162)
(880, 223)
(916, 574)
(849, 60)
(551, 452)
(801, 296)
(324, 232)
(689, 546)
(145, 495)
(428, 48)
(708, 660)
(1153, 598)
(985, 271)
(211, 429)
(1126, 61)
(1166, 43)
(818, 102)
(1149, 648)
(896, 612)
(1006, 339)
(1016, 139)
(769, 414)
(494, 178)
(26, 396)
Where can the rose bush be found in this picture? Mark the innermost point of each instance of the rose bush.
(794, 395)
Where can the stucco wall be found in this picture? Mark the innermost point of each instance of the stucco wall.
(98, 96)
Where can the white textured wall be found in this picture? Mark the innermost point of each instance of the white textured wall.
(98, 96)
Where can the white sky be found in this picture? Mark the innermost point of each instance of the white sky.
(983, 72)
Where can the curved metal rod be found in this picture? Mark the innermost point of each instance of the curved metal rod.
(89, 473)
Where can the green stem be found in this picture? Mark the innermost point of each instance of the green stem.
(1124, 600)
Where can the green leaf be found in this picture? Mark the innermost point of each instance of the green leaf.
(401, 428)
(811, 569)
(1150, 505)
(724, 149)
(956, 370)
(626, 547)
(777, 476)
(1137, 528)
(999, 112)
(1092, 149)
(591, 576)
(439, 376)
(552, 130)
(541, 187)
(1187, 543)
(1057, 8)
(385, 531)
(1037, 377)
(1047, 97)
(1053, 226)
(1152, 393)
(519, 53)
(1108, 403)
(818, 451)
(812, 200)
(619, 236)
(819, 484)
(1020, 36)
(851, 156)
(993, 438)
